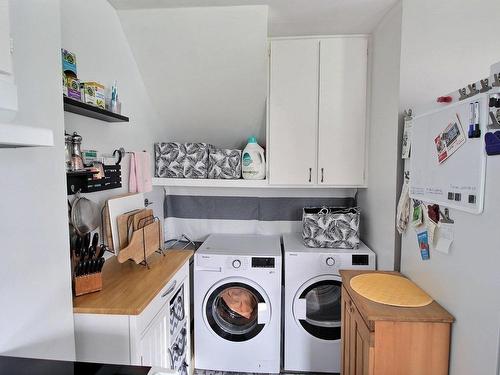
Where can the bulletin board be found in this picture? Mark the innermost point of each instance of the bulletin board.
(458, 181)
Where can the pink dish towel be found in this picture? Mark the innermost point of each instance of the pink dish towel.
(140, 173)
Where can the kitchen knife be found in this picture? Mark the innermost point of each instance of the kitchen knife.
(86, 243)
(101, 264)
(78, 246)
(86, 267)
(78, 268)
(93, 248)
(102, 250)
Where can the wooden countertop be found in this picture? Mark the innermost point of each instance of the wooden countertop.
(127, 288)
(373, 311)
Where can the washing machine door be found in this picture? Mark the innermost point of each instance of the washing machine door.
(236, 309)
(317, 307)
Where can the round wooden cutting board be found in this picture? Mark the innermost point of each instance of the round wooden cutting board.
(390, 290)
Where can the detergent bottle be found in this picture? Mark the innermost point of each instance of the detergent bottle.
(253, 163)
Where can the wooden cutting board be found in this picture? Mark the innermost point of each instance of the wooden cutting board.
(122, 224)
(129, 222)
(144, 242)
(390, 290)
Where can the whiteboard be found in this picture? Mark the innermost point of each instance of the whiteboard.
(459, 181)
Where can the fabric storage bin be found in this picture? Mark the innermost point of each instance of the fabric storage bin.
(224, 163)
(177, 312)
(181, 160)
(334, 227)
(178, 351)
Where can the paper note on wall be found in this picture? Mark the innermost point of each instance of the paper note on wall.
(406, 147)
(445, 235)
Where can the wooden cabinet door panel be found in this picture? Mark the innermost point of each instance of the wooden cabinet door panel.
(342, 111)
(293, 111)
(357, 341)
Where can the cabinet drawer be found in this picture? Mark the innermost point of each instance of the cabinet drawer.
(164, 296)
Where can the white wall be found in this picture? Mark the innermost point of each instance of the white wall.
(205, 69)
(446, 45)
(378, 201)
(104, 56)
(36, 318)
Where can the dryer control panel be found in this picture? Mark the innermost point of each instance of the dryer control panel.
(258, 262)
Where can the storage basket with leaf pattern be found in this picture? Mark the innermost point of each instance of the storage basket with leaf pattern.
(224, 163)
(333, 227)
(181, 160)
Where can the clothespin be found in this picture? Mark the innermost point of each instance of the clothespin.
(445, 218)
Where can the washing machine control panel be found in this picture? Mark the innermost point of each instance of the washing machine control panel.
(244, 263)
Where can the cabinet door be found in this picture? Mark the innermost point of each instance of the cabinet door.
(154, 343)
(293, 111)
(5, 58)
(357, 348)
(364, 351)
(346, 333)
(342, 111)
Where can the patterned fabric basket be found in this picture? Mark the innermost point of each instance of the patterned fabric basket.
(224, 163)
(178, 351)
(181, 160)
(335, 227)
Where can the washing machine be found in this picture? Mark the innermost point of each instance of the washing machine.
(313, 302)
(237, 303)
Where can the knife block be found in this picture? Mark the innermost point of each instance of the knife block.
(88, 283)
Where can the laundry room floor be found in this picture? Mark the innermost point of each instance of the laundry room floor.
(211, 372)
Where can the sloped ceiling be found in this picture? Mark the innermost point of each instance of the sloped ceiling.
(294, 17)
(205, 70)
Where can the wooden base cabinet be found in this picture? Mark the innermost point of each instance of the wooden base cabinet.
(385, 340)
(158, 335)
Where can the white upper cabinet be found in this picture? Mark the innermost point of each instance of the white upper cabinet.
(317, 111)
(5, 57)
(293, 112)
(342, 111)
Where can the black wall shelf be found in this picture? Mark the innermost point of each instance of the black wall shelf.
(83, 109)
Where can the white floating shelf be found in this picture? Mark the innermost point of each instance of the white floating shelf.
(12, 136)
(241, 183)
(199, 182)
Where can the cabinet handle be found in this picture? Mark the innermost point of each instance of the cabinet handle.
(322, 175)
(170, 289)
(310, 174)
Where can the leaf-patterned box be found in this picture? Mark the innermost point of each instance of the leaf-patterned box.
(181, 160)
(224, 163)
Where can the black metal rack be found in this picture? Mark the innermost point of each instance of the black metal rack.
(83, 180)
